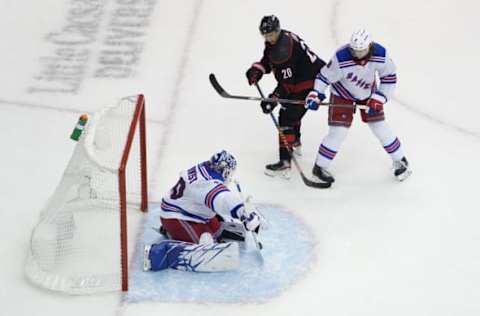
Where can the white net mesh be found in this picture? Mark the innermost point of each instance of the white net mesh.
(75, 247)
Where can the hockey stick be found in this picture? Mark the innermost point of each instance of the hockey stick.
(258, 244)
(307, 181)
(220, 90)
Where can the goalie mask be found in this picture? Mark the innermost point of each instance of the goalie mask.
(223, 163)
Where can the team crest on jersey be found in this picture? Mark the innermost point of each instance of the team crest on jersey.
(359, 82)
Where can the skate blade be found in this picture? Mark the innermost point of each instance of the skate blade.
(146, 261)
(404, 175)
(285, 174)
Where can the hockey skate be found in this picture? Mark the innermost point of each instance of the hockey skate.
(146, 258)
(401, 171)
(322, 175)
(297, 148)
(280, 169)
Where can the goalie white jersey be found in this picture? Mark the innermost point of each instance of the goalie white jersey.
(357, 81)
(199, 195)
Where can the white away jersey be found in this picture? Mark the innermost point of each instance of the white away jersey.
(352, 81)
(199, 195)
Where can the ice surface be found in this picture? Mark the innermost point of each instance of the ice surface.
(288, 255)
(381, 247)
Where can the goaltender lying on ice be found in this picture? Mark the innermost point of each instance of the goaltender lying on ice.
(203, 220)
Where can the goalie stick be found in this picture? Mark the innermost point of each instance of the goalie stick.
(258, 244)
(220, 90)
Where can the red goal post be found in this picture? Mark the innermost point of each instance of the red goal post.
(80, 244)
(138, 121)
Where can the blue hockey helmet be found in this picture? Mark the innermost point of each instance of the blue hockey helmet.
(224, 163)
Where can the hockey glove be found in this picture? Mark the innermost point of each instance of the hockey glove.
(375, 104)
(252, 221)
(268, 106)
(254, 74)
(312, 102)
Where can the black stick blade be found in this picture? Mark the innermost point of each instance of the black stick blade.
(217, 86)
(317, 185)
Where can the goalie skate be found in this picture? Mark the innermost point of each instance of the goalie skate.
(147, 265)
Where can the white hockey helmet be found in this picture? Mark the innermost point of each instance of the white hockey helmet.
(360, 43)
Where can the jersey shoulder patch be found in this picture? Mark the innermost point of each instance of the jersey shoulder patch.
(378, 50)
(343, 54)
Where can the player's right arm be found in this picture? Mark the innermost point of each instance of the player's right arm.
(327, 75)
(256, 71)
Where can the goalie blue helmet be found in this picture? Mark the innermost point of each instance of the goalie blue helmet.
(224, 163)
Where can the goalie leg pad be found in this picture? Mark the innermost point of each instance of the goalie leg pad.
(191, 257)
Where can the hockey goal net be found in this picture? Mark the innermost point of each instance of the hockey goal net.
(79, 245)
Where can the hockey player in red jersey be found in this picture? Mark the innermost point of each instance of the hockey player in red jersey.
(294, 66)
(352, 76)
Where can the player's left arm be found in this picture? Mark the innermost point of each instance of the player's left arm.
(327, 75)
(229, 205)
(222, 201)
(388, 80)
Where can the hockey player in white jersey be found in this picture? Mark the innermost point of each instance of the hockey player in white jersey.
(352, 76)
(194, 213)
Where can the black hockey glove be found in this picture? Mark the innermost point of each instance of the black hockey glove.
(268, 106)
(254, 74)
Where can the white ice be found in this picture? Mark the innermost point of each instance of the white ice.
(382, 247)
